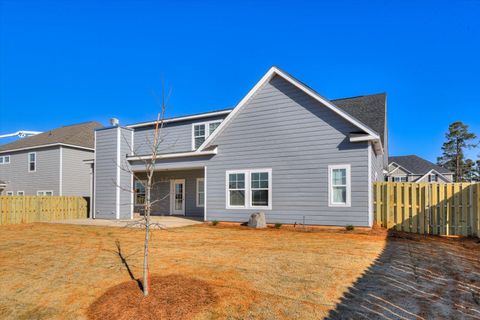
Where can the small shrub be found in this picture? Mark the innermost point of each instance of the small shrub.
(214, 222)
(278, 225)
(349, 227)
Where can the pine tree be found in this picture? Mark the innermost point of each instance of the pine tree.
(458, 139)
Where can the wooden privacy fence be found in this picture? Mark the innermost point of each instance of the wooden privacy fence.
(26, 209)
(429, 208)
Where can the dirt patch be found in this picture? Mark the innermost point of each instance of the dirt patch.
(171, 297)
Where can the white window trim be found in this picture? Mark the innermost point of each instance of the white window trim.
(144, 182)
(9, 193)
(28, 161)
(44, 192)
(202, 181)
(348, 202)
(248, 189)
(3, 159)
(207, 130)
(22, 193)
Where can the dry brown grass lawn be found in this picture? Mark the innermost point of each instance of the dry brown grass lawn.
(58, 271)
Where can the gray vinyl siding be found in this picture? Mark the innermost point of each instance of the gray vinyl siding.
(46, 177)
(161, 191)
(176, 137)
(105, 173)
(107, 167)
(284, 129)
(76, 174)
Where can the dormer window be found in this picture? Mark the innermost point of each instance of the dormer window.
(201, 131)
(432, 178)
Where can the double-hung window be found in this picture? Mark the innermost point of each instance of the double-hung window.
(249, 189)
(4, 159)
(32, 162)
(201, 131)
(339, 186)
(236, 189)
(432, 178)
(44, 193)
(139, 192)
(200, 192)
(259, 189)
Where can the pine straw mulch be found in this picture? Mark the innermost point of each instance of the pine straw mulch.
(172, 297)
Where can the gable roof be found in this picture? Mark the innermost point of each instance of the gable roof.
(369, 109)
(274, 71)
(78, 135)
(417, 165)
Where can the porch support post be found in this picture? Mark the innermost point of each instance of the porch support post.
(205, 193)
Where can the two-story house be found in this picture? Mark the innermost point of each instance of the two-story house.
(284, 150)
(50, 163)
(412, 168)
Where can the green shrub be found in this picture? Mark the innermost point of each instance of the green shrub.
(349, 227)
(278, 225)
(214, 222)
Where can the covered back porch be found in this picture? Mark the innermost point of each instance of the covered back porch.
(175, 192)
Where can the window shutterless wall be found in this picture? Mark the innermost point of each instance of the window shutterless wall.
(45, 176)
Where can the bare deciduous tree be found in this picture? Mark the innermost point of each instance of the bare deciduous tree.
(149, 162)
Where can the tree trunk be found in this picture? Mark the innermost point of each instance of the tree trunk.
(148, 208)
(146, 282)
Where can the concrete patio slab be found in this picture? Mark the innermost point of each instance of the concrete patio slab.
(166, 221)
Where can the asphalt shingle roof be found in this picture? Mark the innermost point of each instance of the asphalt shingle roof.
(369, 109)
(417, 165)
(81, 135)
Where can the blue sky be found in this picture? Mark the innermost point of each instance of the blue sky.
(64, 62)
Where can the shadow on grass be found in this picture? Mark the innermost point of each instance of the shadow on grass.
(125, 263)
(416, 277)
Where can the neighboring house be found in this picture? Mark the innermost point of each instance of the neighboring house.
(284, 150)
(415, 169)
(50, 163)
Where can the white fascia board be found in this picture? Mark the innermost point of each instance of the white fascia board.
(377, 144)
(361, 137)
(174, 155)
(48, 145)
(185, 118)
(399, 166)
(269, 75)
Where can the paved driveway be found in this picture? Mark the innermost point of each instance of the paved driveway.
(166, 221)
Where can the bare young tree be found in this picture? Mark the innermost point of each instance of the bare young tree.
(148, 182)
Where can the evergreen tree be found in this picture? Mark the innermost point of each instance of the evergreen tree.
(458, 139)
